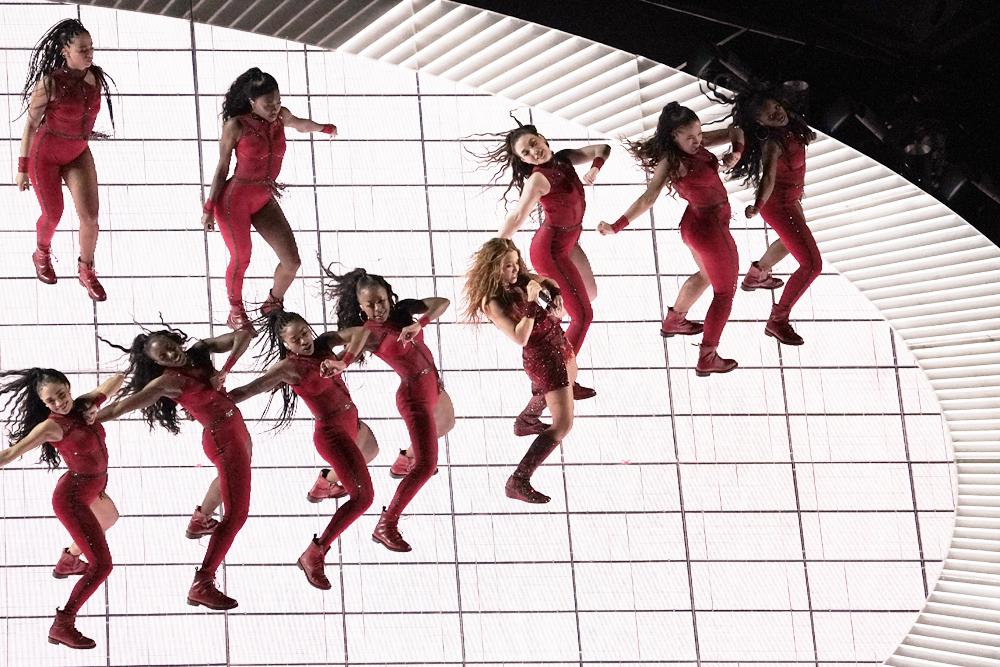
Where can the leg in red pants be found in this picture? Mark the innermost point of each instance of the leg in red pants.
(71, 501)
(550, 257)
(415, 400)
(49, 154)
(237, 203)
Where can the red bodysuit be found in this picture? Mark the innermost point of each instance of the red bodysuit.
(335, 436)
(416, 398)
(564, 206)
(705, 229)
(783, 212)
(547, 351)
(61, 138)
(86, 455)
(225, 441)
(259, 154)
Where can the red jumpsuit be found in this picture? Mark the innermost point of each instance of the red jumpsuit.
(335, 436)
(416, 398)
(783, 213)
(259, 154)
(61, 138)
(551, 245)
(705, 229)
(225, 441)
(547, 351)
(82, 448)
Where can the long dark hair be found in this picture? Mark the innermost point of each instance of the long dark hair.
(27, 408)
(248, 86)
(274, 350)
(746, 109)
(142, 370)
(662, 146)
(47, 57)
(501, 157)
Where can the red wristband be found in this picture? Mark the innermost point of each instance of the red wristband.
(423, 321)
(598, 162)
(230, 362)
(348, 358)
(99, 398)
(209, 207)
(738, 147)
(620, 224)
(328, 128)
(22, 165)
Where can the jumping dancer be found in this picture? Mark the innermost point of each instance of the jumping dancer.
(336, 435)
(676, 157)
(372, 319)
(162, 375)
(253, 125)
(499, 286)
(45, 415)
(775, 164)
(63, 96)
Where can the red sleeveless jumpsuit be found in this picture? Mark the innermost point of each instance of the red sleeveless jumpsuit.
(225, 443)
(259, 154)
(61, 138)
(551, 245)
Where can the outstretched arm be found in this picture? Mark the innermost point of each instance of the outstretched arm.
(164, 386)
(640, 205)
(536, 187)
(47, 431)
(305, 124)
(281, 372)
(595, 154)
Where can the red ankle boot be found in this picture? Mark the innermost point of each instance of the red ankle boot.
(758, 278)
(272, 303)
(322, 489)
(203, 592)
(676, 324)
(69, 564)
(581, 393)
(519, 488)
(63, 631)
(42, 259)
(778, 327)
(387, 533)
(200, 524)
(709, 362)
(238, 318)
(88, 278)
(402, 466)
(313, 562)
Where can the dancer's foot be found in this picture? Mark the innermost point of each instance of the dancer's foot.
(42, 259)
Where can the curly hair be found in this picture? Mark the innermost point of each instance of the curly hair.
(483, 281)
(47, 57)
(746, 111)
(662, 145)
(248, 86)
(274, 350)
(501, 157)
(142, 370)
(27, 410)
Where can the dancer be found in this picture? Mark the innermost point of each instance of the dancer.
(63, 96)
(499, 286)
(45, 415)
(542, 176)
(676, 157)
(162, 375)
(336, 435)
(253, 125)
(372, 318)
(775, 164)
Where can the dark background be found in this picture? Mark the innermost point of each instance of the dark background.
(918, 71)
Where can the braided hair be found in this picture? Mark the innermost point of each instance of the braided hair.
(27, 408)
(142, 370)
(275, 350)
(746, 110)
(662, 146)
(47, 57)
(248, 86)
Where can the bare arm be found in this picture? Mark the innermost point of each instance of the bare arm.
(642, 204)
(47, 431)
(37, 104)
(434, 307)
(589, 154)
(518, 331)
(303, 124)
(164, 386)
(231, 133)
(730, 135)
(109, 387)
(536, 187)
(355, 339)
(281, 372)
(772, 151)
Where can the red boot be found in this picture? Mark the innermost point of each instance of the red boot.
(758, 278)
(200, 524)
(778, 327)
(313, 562)
(88, 278)
(519, 488)
(676, 324)
(323, 489)
(387, 533)
(69, 564)
(581, 393)
(272, 303)
(42, 259)
(238, 318)
(709, 362)
(63, 631)
(402, 466)
(203, 592)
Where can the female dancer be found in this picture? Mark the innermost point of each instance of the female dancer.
(372, 318)
(499, 286)
(775, 163)
(336, 435)
(45, 415)
(253, 124)
(163, 375)
(63, 96)
(676, 157)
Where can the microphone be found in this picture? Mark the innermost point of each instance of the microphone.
(545, 298)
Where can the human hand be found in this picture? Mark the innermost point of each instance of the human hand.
(219, 380)
(331, 367)
(208, 222)
(409, 332)
(591, 176)
(605, 229)
(751, 211)
(90, 414)
(533, 289)
(23, 182)
(729, 160)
